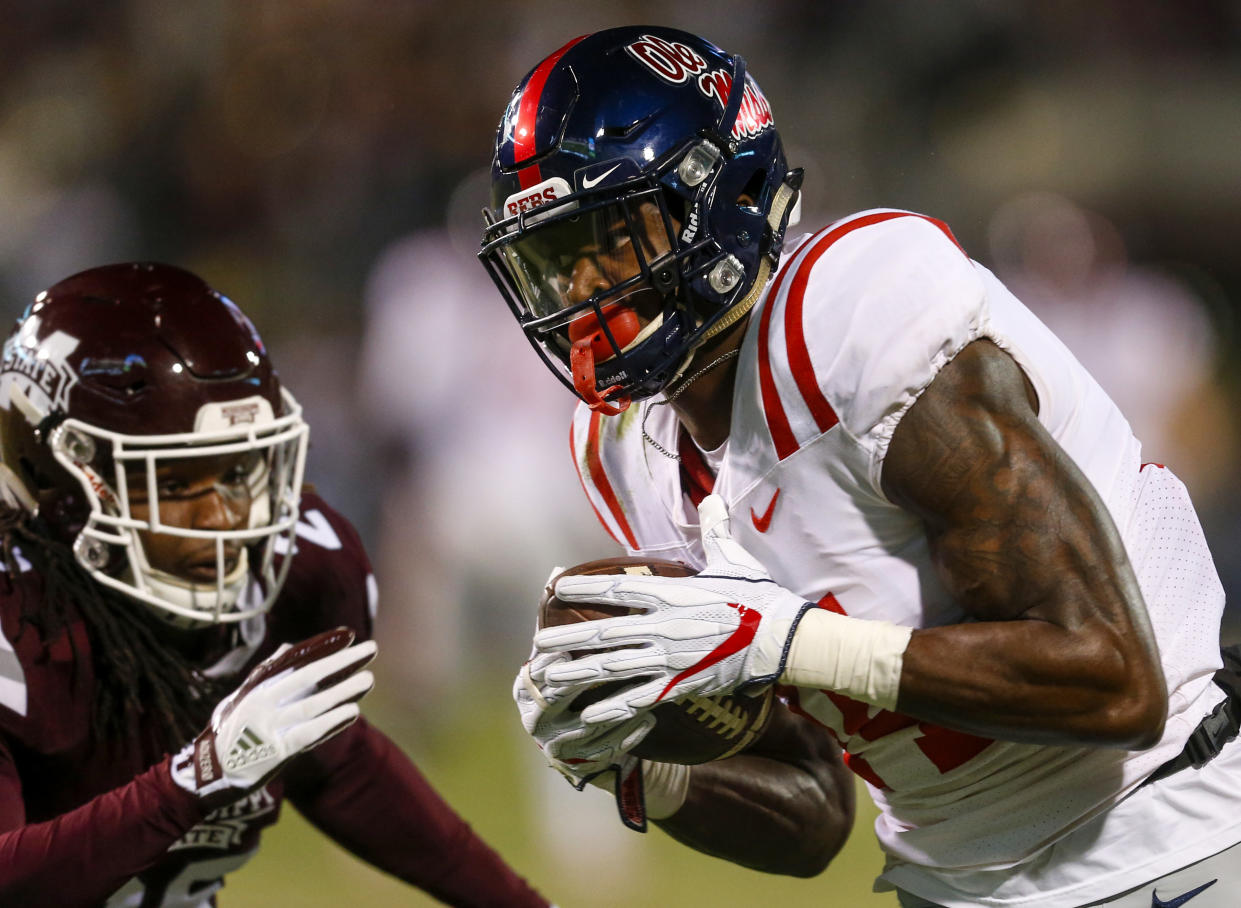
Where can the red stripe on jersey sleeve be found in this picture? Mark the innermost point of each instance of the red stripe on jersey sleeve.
(594, 463)
(946, 231)
(795, 336)
(777, 420)
(800, 365)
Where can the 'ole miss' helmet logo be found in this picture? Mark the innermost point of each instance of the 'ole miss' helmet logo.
(677, 63)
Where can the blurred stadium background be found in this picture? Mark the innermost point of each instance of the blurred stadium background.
(323, 162)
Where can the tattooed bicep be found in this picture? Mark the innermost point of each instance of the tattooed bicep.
(962, 435)
(1009, 516)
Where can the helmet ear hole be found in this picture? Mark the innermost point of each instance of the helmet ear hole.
(751, 195)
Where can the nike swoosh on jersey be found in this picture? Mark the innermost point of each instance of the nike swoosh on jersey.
(589, 183)
(738, 640)
(1157, 902)
(762, 524)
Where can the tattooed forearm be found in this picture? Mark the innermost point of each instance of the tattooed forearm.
(1018, 535)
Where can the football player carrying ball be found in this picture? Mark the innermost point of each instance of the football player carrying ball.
(909, 506)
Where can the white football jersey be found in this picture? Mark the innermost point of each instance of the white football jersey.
(857, 322)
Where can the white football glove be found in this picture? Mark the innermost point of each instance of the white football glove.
(579, 752)
(726, 628)
(293, 700)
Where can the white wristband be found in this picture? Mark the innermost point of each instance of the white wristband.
(852, 656)
(666, 786)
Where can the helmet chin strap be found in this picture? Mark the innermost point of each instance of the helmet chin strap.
(582, 362)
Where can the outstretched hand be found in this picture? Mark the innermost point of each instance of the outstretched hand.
(293, 700)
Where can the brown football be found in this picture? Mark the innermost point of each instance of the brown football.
(690, 729)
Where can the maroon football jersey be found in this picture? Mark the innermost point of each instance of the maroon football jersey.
(84, 822)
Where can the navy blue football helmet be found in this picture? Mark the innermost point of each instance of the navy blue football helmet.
(640, 196)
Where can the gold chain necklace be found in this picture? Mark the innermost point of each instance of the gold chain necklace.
(722, 358)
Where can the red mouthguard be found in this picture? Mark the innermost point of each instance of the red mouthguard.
(582, 362)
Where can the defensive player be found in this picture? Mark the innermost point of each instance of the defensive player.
(160, 556)
(915, 511)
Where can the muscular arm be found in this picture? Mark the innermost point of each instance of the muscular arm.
(1062, 651)
(784, 806)
(365, 793)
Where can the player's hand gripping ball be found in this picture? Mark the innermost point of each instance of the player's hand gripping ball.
(691, 729)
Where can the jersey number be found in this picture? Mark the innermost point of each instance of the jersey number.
(193, 887)
(315, 529)
(945, 748)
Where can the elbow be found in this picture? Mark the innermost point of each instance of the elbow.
(811, 860)
(811, 868)
(1128, 694)
(1142, 726)
(804, 837)
(815, 852)
(1135, 717)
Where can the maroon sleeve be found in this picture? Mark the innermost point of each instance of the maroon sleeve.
(83, 856)
(361, 790)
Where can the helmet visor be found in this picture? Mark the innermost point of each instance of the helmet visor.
(565, 258)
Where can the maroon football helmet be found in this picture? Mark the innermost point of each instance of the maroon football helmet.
(118, 370)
